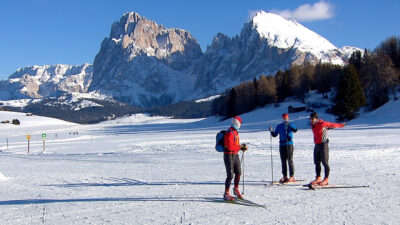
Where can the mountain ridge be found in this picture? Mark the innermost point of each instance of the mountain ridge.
(145, 64)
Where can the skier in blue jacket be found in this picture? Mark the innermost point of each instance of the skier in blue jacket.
(285, 131)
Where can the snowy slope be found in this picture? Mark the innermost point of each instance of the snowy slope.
(155, 170)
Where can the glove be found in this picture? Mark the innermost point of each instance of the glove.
(292, 129)
(243, 147)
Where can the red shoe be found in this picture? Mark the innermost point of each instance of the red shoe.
(228, 197)
(291, 179)
(324, 182)
(237, 193)
(317, 181)
(283, 180)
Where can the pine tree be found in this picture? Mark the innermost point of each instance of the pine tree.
(350, 95)
(356, 59)
(266, 90)
(231, 112)
(256, 96)
(283, 85)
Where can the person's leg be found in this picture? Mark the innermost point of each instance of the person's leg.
(237, 170)
(283, 155)
(325, 159)
(228, 160)
(290, 160)
(317, 159)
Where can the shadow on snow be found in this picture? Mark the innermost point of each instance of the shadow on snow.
(132, 199)
(134, 182)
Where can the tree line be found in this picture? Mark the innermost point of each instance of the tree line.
(367, 80)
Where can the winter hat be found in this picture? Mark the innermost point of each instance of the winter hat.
(236, 122)
(285, 115)
(314, 115)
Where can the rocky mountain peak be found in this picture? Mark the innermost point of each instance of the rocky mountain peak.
(139, 35)
(144, 63)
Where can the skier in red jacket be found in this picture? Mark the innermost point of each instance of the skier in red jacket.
(321, 149)
(231, 158)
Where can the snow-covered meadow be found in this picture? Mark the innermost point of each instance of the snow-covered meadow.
(154, 170)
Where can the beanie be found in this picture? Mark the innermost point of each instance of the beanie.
(285, 115)
(314, 115)
(236, 122)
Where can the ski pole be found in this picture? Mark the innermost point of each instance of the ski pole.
(272, 164)
(243, 171)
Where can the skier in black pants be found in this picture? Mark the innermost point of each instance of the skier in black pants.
(285, 131)
(231, 158)
(321, 148)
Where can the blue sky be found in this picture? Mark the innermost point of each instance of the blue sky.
(39, 32)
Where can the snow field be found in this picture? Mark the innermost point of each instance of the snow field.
(141, 170)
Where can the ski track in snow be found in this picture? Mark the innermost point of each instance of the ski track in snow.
(168, 172)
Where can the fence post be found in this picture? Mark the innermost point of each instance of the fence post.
(29, 138)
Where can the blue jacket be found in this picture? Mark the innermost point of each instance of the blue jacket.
(285, 131)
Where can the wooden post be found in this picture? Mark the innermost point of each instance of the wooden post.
(29, 139)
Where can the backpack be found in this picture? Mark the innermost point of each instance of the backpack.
(219, 146)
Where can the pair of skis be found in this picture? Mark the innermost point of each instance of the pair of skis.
(277, 183)
(314, 187)
(245, 202)
(332, 186)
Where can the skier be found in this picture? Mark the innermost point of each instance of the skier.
(321, 149)
(231, 158)
(285, 131)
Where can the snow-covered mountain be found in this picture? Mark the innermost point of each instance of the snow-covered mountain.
(46, 81)
(267, 43)
(145, 64)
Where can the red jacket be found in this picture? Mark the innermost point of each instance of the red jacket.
(319, 130)
(231, 141)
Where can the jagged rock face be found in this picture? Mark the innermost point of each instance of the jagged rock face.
(261, 49)
(230, 61)
(145, 64)
(46, 81)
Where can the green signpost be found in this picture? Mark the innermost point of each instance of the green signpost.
(44, 138)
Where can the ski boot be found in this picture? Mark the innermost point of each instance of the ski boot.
(228, 197)
(291, 179)
(317, 181)
(237, 193)
(324, 182)
(283, 180)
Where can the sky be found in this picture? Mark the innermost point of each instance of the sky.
(48, 32)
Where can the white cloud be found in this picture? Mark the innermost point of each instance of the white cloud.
(318, 11)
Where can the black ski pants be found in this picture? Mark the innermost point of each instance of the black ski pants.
(286, 153)
(321, 154)
(232, 165)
